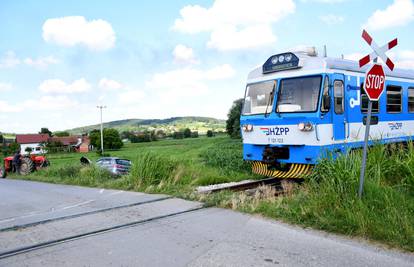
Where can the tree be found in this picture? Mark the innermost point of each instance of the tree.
(28, 150)
(194, 134)
(178, 135)
(13, 147)
(45, 131)
(61, 133)
(187, 133)
(233, 119)
(112, 139)
(210, 133)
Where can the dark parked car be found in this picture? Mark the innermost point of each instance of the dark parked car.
(116, 166)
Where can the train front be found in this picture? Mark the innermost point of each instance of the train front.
(281, 116)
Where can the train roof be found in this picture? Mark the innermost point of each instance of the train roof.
(317, 64)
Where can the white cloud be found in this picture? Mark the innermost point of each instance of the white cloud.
(185, 55)
(41, 62)
(8, 108)
(399, 13)
(9, 60)
(187, 82)
(131, 96)
(5, 87)
(59, 102)
(76, 30)
(56, 86)
(229, 37)
(110, 85)
(235, 24)
(403, 59)
(331, 19)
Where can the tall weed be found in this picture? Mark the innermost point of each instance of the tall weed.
(150, 169)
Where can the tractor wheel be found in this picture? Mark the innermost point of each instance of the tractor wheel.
(27, 166)
(3, 172)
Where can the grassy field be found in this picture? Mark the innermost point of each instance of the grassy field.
(168, 166)
(327, 200)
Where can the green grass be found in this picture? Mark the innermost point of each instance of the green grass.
(327, 200)
(169, 166)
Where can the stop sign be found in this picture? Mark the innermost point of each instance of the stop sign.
(374, 82)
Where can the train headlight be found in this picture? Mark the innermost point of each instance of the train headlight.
(248, 128)
(288, 57)
(305, 126)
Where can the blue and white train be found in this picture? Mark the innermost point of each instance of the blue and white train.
(298, 106)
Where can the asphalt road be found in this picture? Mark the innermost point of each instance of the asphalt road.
(57, 225)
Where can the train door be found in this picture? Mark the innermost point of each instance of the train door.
(338, 82)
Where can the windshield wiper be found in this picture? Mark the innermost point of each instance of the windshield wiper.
(270, 99)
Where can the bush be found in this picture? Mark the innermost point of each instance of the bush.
(187, 133)
(89, 175)
(178, 135)
(151, 169)
(194, 134)
(210, 133)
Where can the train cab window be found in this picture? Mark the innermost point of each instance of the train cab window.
(364, 102)
(411, 99)
(259, 98)
(325, 96)
(339, 97)
(394, 99)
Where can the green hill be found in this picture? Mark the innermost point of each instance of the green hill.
(200, 124)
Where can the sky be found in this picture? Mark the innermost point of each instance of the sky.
(161, 59)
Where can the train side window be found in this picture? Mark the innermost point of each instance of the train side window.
(364, 102)
(339, 96)
(325, 96)
(411, 99)
(394, 99)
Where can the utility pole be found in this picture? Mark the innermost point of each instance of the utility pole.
(102, 146)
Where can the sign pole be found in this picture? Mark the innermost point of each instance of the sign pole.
(374, 86)
(364, 155)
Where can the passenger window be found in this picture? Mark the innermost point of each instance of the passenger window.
(411, 99)
(325, 95)
(394, 99)
(339, 96)
(364, 102)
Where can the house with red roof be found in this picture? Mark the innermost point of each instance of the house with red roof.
(66, 143)
(33, 141)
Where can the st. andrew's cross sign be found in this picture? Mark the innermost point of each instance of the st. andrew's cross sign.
(374, 86)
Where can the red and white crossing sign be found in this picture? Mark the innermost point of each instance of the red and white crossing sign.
(374, 86)
(374, 82)
(378, 51)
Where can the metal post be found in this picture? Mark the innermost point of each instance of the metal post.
(102, 146)
(364, 155)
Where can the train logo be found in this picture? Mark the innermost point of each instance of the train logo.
(395, 125)
(275, 130)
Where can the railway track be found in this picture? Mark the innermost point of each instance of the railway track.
(249, 184)
(13, 239)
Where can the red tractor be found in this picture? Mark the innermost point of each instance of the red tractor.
(29, 163)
